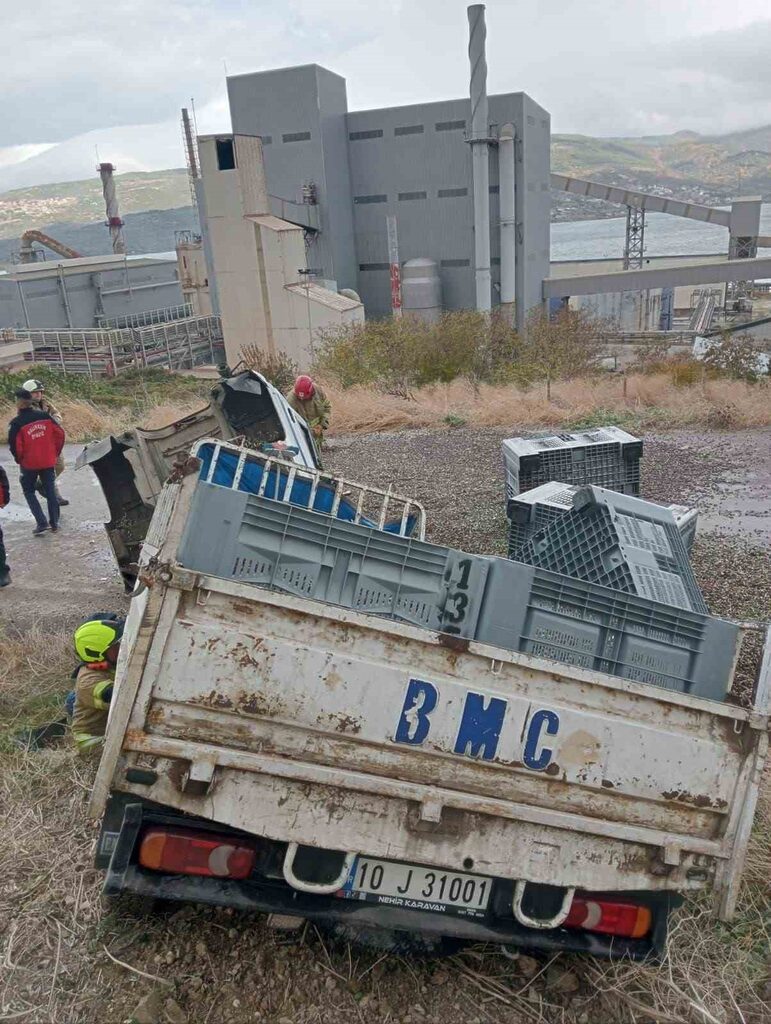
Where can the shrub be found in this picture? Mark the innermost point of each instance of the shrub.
(398, 354)
(279, 369)
(734, 355)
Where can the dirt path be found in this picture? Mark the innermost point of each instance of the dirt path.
(58, 579)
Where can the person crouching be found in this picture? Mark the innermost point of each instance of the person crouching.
(97, 643)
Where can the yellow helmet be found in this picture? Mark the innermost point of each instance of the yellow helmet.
(94, 638)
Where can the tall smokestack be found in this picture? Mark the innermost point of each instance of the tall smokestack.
(114, 223)
(479, 140)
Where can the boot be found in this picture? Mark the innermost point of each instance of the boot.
(5, 577)
(60, 500)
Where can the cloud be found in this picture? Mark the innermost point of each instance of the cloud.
(81, 65)
(78, 73)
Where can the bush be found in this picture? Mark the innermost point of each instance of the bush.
(734, 355)
(396, 355)
(279, 369)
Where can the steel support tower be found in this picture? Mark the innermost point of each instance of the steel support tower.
(634, 245)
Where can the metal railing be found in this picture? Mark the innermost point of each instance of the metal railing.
(176, 345)
(309, 488)
(149, 317)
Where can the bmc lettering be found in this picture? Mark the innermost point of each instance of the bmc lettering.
(479, 730)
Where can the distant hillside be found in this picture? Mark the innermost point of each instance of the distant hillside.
(150, 231)
(707, 169)
(700, 168)
(81, 202)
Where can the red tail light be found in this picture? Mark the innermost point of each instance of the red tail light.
(181, 852)
(610, 918)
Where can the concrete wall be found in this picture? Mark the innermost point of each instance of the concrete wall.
(231, 240)
(629, 311)
(256, 262)
(64, 294)
(194, 277)
(281, 105)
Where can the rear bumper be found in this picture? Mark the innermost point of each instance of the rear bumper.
(117, 853)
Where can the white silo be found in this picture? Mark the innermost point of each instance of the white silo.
(422, 289)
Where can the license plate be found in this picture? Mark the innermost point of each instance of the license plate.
(417, 888)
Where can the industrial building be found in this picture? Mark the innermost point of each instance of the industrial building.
(413, 163)
(88, 292)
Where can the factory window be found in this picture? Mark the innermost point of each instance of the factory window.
(452, 193)
(296, 137)
(374, 133)
(226, 155)
(266, 139)
(456, 263)
(494, 190)
(412, 195)
(370, 199)
(450, 126)
(374, 266)
(409, 129)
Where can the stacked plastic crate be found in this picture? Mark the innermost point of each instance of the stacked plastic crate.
(607, 457)
(619, 542)
(495, 601)
(534, 510)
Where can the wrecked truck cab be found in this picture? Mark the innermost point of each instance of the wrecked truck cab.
(132, 467)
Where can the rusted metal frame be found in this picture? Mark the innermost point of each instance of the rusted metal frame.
(741, 824)
(207, 723)
(344, 778)
(729, 876)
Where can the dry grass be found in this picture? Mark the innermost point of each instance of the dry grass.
(645, 400)
(85, 421)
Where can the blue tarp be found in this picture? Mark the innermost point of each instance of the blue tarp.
(251, 478)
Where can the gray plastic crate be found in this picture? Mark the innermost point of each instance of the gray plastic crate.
(519, 607)
(561, 619)
(620, 542)
(607, 456)
(309, 554)
(533, 510)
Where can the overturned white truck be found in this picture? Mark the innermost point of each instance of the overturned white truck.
(320, 716)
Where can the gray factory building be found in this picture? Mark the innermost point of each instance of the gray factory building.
(413, 162)
(88, 292)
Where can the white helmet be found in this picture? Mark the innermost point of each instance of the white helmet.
(33, 385)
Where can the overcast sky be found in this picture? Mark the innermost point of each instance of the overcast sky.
(70, 70)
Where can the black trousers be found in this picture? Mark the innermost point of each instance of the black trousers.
(4, 566)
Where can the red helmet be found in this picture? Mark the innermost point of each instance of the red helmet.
(304, 387)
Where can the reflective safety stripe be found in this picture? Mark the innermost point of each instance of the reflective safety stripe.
(85, 741)
(102, 694)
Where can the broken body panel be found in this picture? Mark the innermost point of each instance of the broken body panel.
(132, 467)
